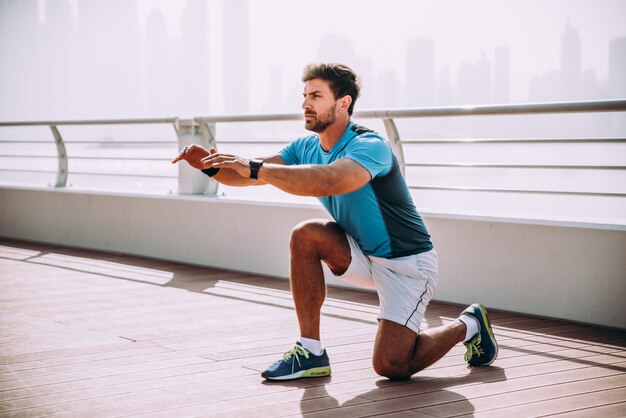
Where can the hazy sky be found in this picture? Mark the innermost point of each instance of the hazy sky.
(136, 58)
(290, 32)
(373, 37)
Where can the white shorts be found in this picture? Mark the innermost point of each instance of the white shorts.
(405, 285)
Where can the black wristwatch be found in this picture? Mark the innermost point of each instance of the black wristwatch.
(255, 165)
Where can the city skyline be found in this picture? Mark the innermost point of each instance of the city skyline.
(144, 70)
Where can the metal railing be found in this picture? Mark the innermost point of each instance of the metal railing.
(62, 155)
(202, 130)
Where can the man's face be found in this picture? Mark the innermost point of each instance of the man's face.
(319, 105)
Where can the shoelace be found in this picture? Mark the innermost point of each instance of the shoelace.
(296, 352)
(474, 348)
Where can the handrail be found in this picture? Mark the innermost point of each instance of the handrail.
(145, 121)
(616, 105)
(202, 130)
(613, 105)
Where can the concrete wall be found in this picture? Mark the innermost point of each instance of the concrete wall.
(562, 271)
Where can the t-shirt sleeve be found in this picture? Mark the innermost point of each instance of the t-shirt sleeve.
(372, 153)
(290, 154)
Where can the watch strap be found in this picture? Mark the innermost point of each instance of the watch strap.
(255, 165)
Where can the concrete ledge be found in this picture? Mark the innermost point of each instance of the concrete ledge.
(567, 271)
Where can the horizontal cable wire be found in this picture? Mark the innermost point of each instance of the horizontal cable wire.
(524, 191)
(513, 141)
(91, 173)
(518, 166)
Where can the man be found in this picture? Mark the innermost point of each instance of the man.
(378, 239)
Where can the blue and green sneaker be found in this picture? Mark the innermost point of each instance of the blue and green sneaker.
(482, 350)
(298, 362)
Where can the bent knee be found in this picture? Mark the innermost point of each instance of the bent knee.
(392, 369)
(307, 229)
(312, 232)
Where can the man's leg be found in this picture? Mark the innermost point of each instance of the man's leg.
(311, 243)
(399, 352)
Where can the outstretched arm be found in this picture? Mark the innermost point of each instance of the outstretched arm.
(231, 177)
(342, 176)
(194, 155)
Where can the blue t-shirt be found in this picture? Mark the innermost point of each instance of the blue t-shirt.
(380, 216)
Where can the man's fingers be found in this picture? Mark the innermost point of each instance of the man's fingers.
(212, 158)
(218, 155)
(181, 156)
(177, 159)
(219, 160)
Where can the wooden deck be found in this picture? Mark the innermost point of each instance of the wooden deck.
(98, 335)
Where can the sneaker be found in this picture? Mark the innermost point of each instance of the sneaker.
(482, 350)
(298, 362)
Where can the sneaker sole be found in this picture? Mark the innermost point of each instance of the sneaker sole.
(314, 372)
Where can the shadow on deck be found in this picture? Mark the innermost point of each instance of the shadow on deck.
(85, 333)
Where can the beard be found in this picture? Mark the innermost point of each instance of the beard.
(321, 122)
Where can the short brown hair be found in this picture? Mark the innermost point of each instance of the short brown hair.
(341, 79)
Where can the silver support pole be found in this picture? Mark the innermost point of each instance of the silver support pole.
(393, 136)
(190, 180)
(207, 130)
(62, 158)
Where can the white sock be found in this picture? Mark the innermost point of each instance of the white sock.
(314, 346)
(472, 326)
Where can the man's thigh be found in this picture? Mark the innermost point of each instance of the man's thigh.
(359, 270)
(405, 287)
(328, 239)
(394, 345)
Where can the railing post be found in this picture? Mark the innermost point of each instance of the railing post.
(393, 136)
(190, 180)
(62, 158)
(207, 130)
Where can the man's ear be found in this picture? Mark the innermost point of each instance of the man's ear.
(345, 102)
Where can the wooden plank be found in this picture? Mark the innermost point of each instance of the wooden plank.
(85, 360)
(338, 391)
(615, 410)
(89, 334)
(50, 375)
(223, 383)
(526, 391)
(579, 399)
(395, 389)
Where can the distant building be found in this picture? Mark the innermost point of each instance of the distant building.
(570, 64)
(110, 78)
(474, 82)
(421, 85)
(501, 74)
(445, 89)
(194, 65)
(617, 79)
(236, 56)
(617, 68)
